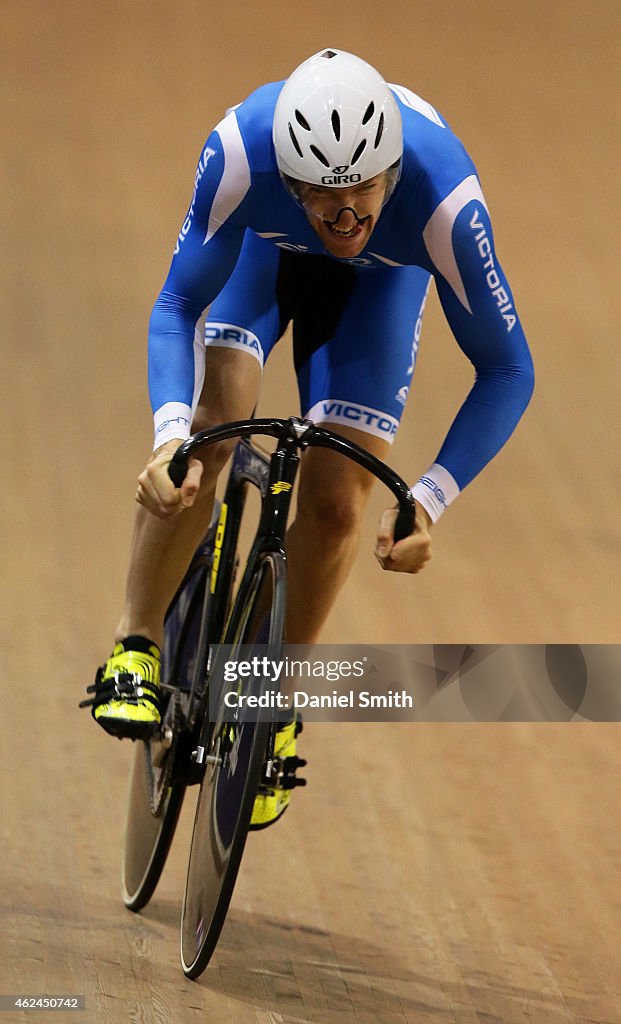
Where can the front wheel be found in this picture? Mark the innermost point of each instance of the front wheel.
(156, 790)
(230, 782)
(148, 835)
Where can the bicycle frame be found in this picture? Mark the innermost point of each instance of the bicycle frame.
(249, 467)
(274, 476)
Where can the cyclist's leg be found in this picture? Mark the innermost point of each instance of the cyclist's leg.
(323, 541)
(355, 380)
(161, 549)
(243, 324)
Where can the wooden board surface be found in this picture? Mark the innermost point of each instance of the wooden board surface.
(429, 873)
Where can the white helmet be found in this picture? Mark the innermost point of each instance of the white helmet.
(337, 123)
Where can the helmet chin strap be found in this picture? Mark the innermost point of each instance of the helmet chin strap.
(344, 210)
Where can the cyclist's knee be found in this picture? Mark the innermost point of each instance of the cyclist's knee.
(214, 457)
(336, 516)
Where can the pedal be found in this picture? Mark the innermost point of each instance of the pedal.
(288, 779)
(291, 764)
(292, 782)
(188, 770)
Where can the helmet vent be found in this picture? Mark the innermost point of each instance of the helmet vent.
(328, 54)
(295, 141)
(320, 156)
(336, 125)
(380, 130)
(368, 113)
(359, 151)
(302, 121)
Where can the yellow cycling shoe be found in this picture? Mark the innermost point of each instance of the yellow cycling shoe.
(127, 690)
(271, 803)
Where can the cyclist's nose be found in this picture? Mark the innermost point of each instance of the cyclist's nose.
(346, 218)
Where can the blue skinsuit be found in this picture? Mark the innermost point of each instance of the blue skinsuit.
(245, 244)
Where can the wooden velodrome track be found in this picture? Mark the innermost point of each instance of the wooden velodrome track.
(429, 873)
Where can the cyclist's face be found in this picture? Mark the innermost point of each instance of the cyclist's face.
(344, 218)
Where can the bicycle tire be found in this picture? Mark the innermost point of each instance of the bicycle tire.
(226, 796)
(150, 824)
(148, 836)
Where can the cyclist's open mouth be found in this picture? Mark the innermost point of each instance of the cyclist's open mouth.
(346, 235)
(351, 232)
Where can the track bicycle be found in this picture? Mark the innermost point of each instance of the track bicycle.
(209, 621)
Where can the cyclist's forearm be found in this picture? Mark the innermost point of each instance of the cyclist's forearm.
(482, 427)
(480, 308)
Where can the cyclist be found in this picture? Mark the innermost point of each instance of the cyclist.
(329, 200)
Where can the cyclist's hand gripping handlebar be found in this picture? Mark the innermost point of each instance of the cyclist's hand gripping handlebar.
(178, 468)
(404, 525)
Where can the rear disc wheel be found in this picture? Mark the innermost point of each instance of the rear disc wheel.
(229, 788)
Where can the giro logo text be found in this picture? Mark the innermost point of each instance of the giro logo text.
(340, 179)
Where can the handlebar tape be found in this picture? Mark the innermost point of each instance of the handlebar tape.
(405, 523)
(177, 470)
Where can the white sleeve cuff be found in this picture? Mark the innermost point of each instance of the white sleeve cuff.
(435, 491)
(172, 422)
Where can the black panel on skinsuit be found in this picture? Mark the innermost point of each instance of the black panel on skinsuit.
(313, 291)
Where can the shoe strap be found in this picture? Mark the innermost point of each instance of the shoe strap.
(127, 686)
